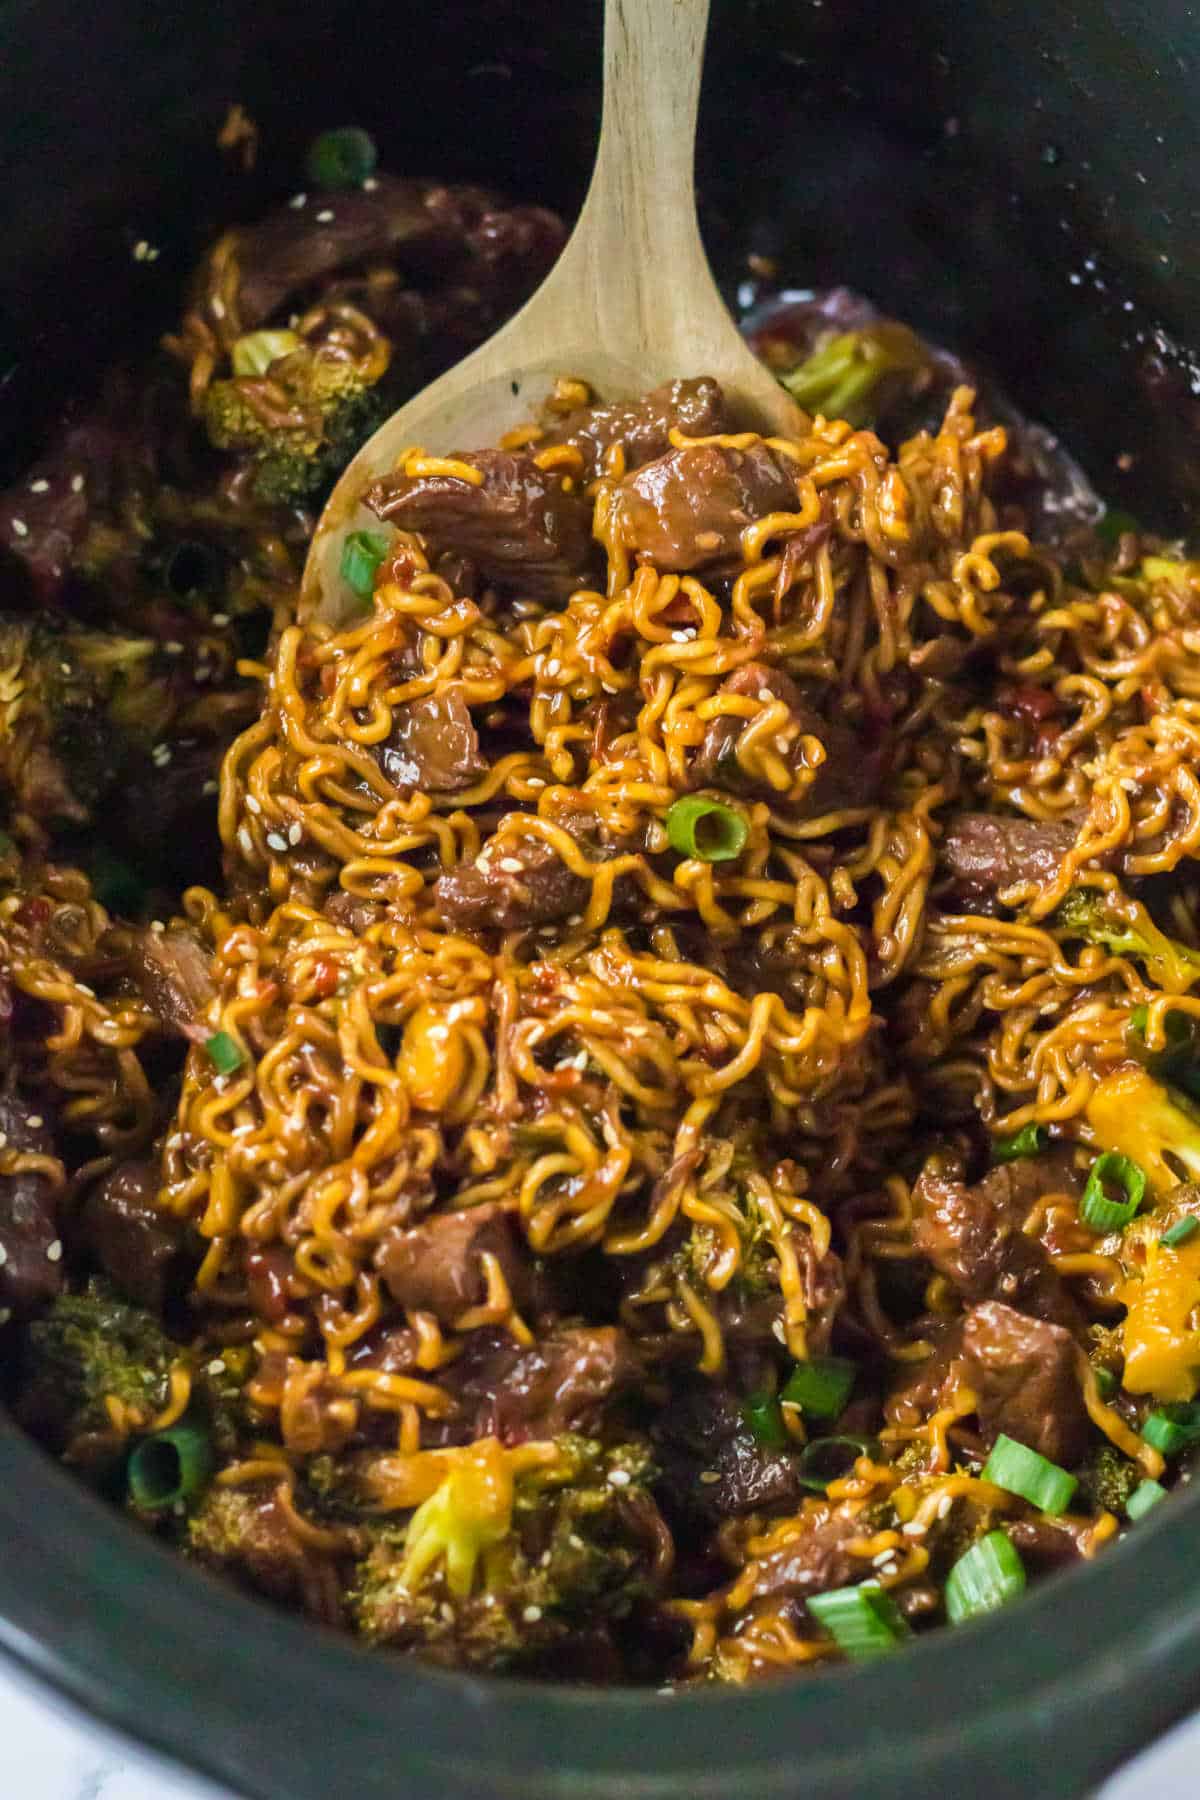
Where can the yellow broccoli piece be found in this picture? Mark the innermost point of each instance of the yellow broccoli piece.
(1123, 926)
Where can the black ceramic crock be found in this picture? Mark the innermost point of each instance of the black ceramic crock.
(1021, 179)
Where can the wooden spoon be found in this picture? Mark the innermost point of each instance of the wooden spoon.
(631, 301)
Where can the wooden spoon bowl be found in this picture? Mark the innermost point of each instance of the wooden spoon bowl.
(630, 303)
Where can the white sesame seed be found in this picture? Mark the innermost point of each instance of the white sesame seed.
(253, 805)
(447, 1612)
(245, 841)
(884, 1556)
(139, 250)
(210, 787)
(65, 667)
(217, 1366)
(39, 487)
(173, 647)
(35, 1121)
(914, 1528)
(3, 1256)
(777, 1332)
(20, 527)
(709, 1476)
(5, 1314)
(295, 832)
(370, 184)
(220, 618)
(297, 201)
(152, 253)
(77, 484)
(276, 841)
(218, 307)
(81, 987)
(575, 1541)
(944, 1505)
(3, 1139)
(621, 1478)
(510, 864)
(156, 925)
(532, 1614)
(325, 217)
(54, 1251)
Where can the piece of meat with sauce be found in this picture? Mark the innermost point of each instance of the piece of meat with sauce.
(973, 1234)
(848, 777)
(700, 1434)
(140, 1247)
(171, 969)
(815, 1557)
(437, 1266)
(433, 746)
(688, 509)
(514, 883)
(1025, 1374)
(984, 853)
(248, 1533)
(522, 526)
(643, 427)
(31, 1264)
(562, 1382)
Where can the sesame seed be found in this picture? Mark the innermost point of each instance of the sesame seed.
(3, 1256)
(77, 484)
(325, 217)
(877, 1562)
(709, 1476)
(5, 1314)
(3, 1139)
(218, 307)
(777, 1332)
(220, 618)
(447, 1612)
(276, 841)
(156, 925)
(253, 805)
(54, 1251)
(575, 1541)
(532, 1614)
(81, 987)
(20, 527)
(245, 841)
(39, 487)
(35, 1121)
(295, 832)
(297, 201)
(173, 647)
(210, 787)
(510, 865)
(140, 249)
(914, 1528)
(944, 1505)
(621, 1478)
(370, 184)
(65, 667)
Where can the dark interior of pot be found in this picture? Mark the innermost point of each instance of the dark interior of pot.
(1020, 182)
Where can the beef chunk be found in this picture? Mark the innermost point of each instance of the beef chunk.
(973, 1235)
(688, 509)
(171, 969)
(1025, 1374)
(985, 854)
(563, 1382)
(521, 526)
(489, 892)
(699, 1433)
(644, 426)
(29, 1279)
(138, 1245)
(816, 1559)
(437, 1266)
(46, 516)
(433, 744)
(849, 776)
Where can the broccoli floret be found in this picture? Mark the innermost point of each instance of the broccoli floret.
(841, 377)
(300, 421)
(87, 1348)
(1125, 927)
(493, 1571)
(1107, 1479)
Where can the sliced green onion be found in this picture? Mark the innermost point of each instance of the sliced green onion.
(1145, 1495)
(1181, 1232)
(1106, 1382)
(1114, 524)
(1026, 1142)
(761, 1413)
(225, 1052)
(170, 1468)
(342, 158)
(1019, 1470)
(828, 1459)
(707, 829)
(820, 1387)
(117, 886)
(362, 553)
(989, 1575)
(254, 353)
(1096, 1209)
(863, 1621)
(1173, 1428)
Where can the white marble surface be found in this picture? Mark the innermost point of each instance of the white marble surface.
(50, 1753)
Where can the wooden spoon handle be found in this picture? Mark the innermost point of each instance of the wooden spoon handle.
(637, 239)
